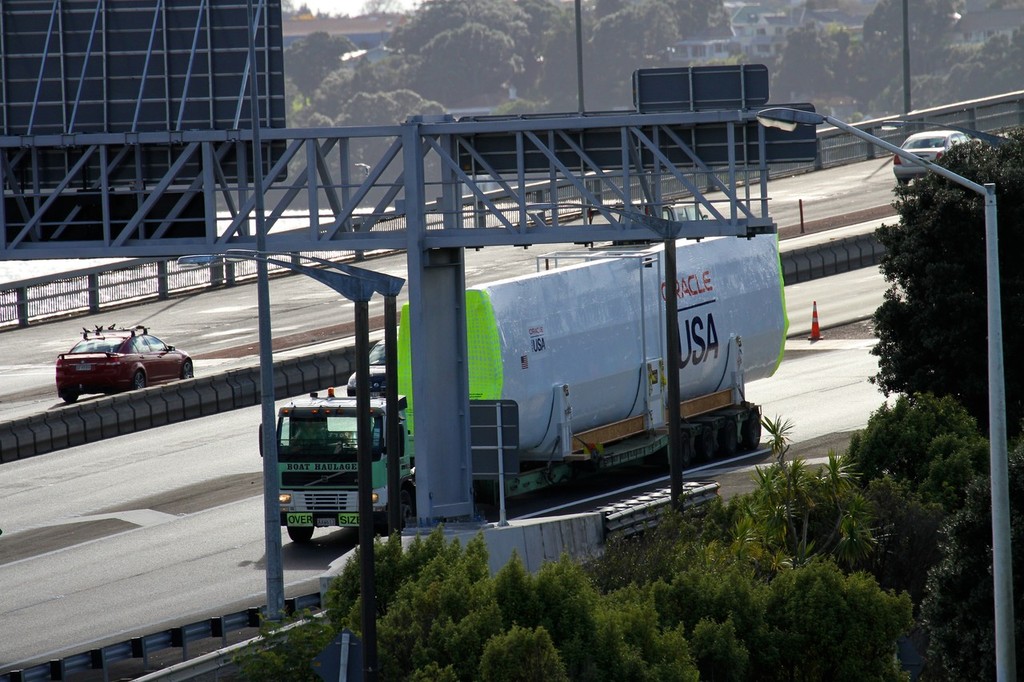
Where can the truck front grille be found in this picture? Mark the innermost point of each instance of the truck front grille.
(325, 501)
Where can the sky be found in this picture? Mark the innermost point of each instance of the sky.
(351, 7)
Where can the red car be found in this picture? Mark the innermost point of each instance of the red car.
(111, 360)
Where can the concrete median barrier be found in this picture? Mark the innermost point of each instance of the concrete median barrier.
(124, 413)
(831, 258)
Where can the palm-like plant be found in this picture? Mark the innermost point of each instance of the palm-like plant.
(797, 511)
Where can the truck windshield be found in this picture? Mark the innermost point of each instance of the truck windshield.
(320, 438)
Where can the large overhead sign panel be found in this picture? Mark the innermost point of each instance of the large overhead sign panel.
(126, 66)
(700, 88)
(130, 69)
(132, 66)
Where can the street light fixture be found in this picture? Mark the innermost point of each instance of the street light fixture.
(357, 285)
(1002, 570)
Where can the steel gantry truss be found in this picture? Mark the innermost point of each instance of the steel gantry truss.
(441, 183)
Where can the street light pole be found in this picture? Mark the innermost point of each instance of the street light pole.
(1002, 568)
(579, 55)
(906, 56)
(271, 489)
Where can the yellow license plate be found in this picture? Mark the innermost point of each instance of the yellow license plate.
(348, 519)
(299, 519)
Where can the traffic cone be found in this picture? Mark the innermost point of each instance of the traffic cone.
(815, 329)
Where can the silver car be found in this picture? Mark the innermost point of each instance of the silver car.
(378, 377)
(930, 145)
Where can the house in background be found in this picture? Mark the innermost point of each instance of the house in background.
(977, 26)
(706, 47)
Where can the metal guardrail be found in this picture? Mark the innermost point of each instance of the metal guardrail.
(141, 648)
(637, 514)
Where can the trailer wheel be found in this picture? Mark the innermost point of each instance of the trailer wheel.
(300, 534)
(727, 439)
(752, 430)
(705, 444)
(686, 449)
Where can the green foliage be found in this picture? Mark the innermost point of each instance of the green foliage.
(521, 655)
(285, 650)
(808, 62)
(631, 645)
(931, 444)
(640, 560)
(569, 601)
(907, 535)
(718, 591)
(310, 59)
(828, 626)
(932, 324)
(882, 45)
(393, 567)
(720, 654)
(709, 616)
(444, 614)
(959, 608)
(797, 512)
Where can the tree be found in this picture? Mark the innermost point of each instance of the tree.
(284, 650)
(930, 444)
(932, 324)
(484, 58)
(520, 655)
(931, 22)
(907, 535)
(807, 64)
(959, 608)
(637, 36)
(833, 627)
(310, 59)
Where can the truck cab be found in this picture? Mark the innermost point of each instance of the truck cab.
(317, 444)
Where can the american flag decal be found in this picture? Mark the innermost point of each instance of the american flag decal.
(524, 361)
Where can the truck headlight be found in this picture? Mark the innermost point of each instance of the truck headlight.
(375, 497)
(285, 498)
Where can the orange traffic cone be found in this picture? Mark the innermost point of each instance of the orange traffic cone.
(815, 329)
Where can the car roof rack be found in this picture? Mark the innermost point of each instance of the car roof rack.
(99, 330)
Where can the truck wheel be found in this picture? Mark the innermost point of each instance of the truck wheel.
(727, 439)
(687, 448)
(705, 444)
(408, 508)
(300, 534)
(752, 430)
